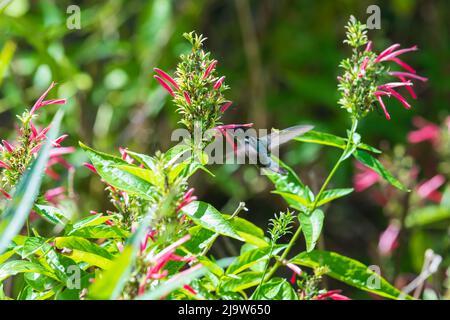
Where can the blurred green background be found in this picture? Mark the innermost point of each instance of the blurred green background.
(280, 58)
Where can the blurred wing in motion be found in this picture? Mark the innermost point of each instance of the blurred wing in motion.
(278, 138)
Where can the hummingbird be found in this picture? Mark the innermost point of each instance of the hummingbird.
(259, 150)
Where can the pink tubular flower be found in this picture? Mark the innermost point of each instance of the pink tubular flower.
(332, 294)
(210, 68)
(161, 259)
(427, 131)
(186, 97)
(41, 103)
(54, 195)
(218, 83)
(391, 54)
(42, 134)
(167, 78)
(388, 241)
(5, 194)
(365, 178)
(187, 198)
(296, 271)
(4, 165)
(125, 156)
(225, 106)
(165, 85)
(90, 167)
(9, 147)
(428, 189)
(57, 142)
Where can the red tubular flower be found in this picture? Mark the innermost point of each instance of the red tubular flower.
(161, 259)
(391, 54)
(125, 156)
(218, 83)
(225, 106)
(187, 198)
(186, 97)
(57, 142)
(210, 68)
(333, 294)
(165, 85)
(5, 194)
(34, 131)
(90, 167)
(42, 134)
(167, 77)
(9, 147)
(40, 102)
(4, 165)
(190, 289)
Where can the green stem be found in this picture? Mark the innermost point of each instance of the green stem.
(296, 235)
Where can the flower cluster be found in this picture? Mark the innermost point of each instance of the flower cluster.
(362, 84)
(16, 157)
(196, 89)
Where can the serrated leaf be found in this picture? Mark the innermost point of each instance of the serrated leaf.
(210, 218)
(369, 161)
(349, 271)
(311, 227)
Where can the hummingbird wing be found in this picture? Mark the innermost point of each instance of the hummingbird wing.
(278, 138)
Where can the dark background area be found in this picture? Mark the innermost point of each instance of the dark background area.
(280, 59)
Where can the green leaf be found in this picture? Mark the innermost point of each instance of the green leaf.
(242, 281)
(247, 231)
(12, 268)
(330, 195)
(427, 216)
(107, 167)
(82, 250)
(291, 184)
(445, 202)
(275, 289)
(6, 55)
(200, 239)
(369, 161)
(102, 231)
(296, 201)
(144, 174)
(210, 218)
(147, 161)
(6, 255)
(349, 271)
(250, 258)
(27, 190)
(311, 227)
(331, 140)
(51, 214)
